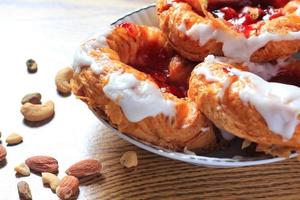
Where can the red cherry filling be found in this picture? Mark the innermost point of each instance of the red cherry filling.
(229, 13)
(243, 14)
(154, 60)
(129, 27)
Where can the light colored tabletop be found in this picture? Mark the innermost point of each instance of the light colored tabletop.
(49, 31)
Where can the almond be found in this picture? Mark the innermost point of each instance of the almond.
(24, 190)
(42, 164)
(50, 179)
(129, 159)
(68, 187)
(2, 152)
(22, 169)
(13, 139)
(85, 168)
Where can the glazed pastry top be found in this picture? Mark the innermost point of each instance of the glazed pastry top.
(278, 104)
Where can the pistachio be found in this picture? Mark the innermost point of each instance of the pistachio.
(31, 66)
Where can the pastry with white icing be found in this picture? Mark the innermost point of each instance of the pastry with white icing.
(244, 104)
(245, 30)
(130, 76)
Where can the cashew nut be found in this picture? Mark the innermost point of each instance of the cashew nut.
(62, 80)
(50, 179)
(37, 112)
(34, 98)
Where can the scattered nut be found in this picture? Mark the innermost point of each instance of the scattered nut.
(84, 168)
(34, 98)
(50, 179)
(22, 169)
(129, 159)
(31, 66)
(24, 191)
(13, 139)
(3, 153)
(42, 164)
(62, 80)
(34, 112)
(68, 187)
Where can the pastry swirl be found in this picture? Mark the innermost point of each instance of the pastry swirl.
(124, 76)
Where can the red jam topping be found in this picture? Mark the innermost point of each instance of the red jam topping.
(243, 14)
(153, 59)
(156, 61)
(130, 28)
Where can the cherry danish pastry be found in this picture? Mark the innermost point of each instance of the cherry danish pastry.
(246, 30)
(244, 104)
(131, 77)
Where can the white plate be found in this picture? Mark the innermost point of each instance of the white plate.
(230, 157)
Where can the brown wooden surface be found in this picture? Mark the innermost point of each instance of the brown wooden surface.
(50, 31)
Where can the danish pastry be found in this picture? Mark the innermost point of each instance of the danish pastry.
(246, 30)
(131, 77)
(247, 106)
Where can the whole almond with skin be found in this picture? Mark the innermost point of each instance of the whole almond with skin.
(85, 168)
(24, 191)
(68, 187)
(3, 152)
(42, 164)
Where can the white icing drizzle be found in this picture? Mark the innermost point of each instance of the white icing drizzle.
(82, 59)
(138, 99)
(278, 104)
(209, 76)
(298, 11)
(226, 84)
(205, 129)
(234, 46)
(265, 70)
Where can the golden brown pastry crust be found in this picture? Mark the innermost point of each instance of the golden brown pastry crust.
(233, 115)
(172, 15)
(188, 128)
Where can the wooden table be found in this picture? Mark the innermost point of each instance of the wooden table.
(49, 31)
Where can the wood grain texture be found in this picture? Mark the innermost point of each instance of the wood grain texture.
(49, 31)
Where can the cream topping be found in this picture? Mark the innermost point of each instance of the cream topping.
(81, 57)
(234, 46)
(138, 99)
(264, 70)
(278, 104)
(298, 11)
